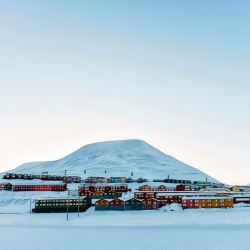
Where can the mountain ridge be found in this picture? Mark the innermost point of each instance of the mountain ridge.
(117, 158)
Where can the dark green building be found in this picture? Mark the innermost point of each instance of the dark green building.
(61, 205)
(133, 204)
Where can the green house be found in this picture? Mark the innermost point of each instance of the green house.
(133, 204)
(62, 205)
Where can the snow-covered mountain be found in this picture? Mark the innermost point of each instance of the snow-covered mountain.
(117, 158)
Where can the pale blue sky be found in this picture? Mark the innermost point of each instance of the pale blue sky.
(173, 73)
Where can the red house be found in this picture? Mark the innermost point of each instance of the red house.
(169, 198)
(144, 195)
(57, 187)
(145, 188)
(117, 204)
(83, 192)
(182, 187)
(162, 188)
(150, 204)
(102, 205)
(91, 188)
(121, 189)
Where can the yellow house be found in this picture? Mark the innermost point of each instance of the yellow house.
(235, 188)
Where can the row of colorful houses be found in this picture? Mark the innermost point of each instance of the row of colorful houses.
(173, 194)
(103, 191)
(105, 188)
(131, 204)
(102, 179)
(72, 179)
(176, 181)
(194, 199)
(96, 179)
(150, 203)
(196, 184)
(153, 203)
(81, 205)
(44, 177)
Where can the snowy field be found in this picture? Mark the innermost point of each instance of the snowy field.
(189, 229)
(147, 238)
(111, 230)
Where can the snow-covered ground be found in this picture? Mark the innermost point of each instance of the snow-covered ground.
(189, 229)
(110, 238)
(166, 228)
(158, 229)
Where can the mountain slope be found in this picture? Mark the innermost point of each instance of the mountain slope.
(118, 158)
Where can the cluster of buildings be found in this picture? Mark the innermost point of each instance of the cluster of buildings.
(101, 179)
(103, 191)
(44, 177)
(108, 194)
(72, 179)
(148, 198)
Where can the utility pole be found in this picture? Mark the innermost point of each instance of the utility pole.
(78, 208)
(68, 207)
(30, 205)
(65, 173)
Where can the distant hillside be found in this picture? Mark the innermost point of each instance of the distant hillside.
(118, 158)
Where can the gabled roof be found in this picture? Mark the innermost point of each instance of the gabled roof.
(150, 199)
(117, 200)
(106, 201)
(134, 199)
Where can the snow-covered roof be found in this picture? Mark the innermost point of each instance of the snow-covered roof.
(207, 198)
